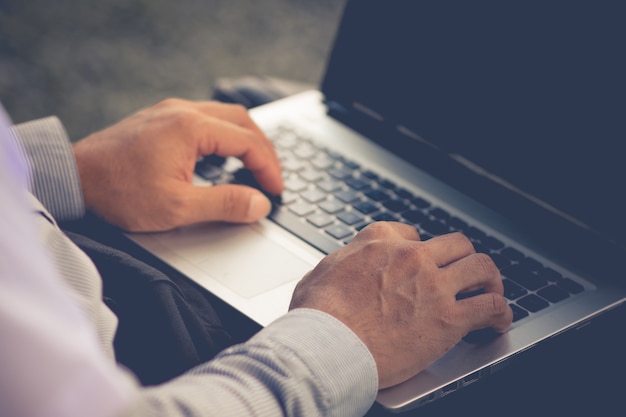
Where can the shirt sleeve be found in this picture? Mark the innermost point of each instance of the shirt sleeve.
(306, 363)
(53, 176)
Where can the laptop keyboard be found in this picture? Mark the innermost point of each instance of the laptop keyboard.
(328, 199)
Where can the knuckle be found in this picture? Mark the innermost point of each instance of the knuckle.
(376, 229)
(238, 110)
(484, 264)
(420, 254)
(169, 102)
(462, 239)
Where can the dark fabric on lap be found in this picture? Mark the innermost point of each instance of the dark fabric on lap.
(165, 326)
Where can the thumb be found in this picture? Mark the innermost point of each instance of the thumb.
(230, 203)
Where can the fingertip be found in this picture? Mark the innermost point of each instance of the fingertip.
(258, 207)
(271, 180)
(504, 314)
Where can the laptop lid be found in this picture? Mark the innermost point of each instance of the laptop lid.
(518, 104)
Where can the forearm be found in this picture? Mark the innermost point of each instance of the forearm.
(53, 175)
(306, 363)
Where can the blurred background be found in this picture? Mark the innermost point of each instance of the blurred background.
(92, 63)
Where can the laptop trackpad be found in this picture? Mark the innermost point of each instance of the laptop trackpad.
(238, 257)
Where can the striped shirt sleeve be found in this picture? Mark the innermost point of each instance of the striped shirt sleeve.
(306, 363)
(53, 173)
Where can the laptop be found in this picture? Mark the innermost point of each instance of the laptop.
(501, 120)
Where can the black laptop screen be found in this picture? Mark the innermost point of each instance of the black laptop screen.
(531, 91)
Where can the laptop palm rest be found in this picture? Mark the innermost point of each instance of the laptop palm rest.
(243, 258)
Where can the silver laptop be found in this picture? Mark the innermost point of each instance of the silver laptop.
(502, 120)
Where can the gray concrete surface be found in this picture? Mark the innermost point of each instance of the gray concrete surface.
(92, 63)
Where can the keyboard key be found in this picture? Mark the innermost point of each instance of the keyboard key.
(480, 248)
(350, 164)
(414, 216)
(434, 227)
(533, 303)
(475, 234)
(424, 236)
(396, 205)
(531, 264)
(550, 274)
(457, 224)
(404, 193)
(293, 165)
(329, 185)
(287, 197)
(357, 184)
(332, 154)
(524, 277)
(361, 226)
(302, 209)
(339, 232)
(311, 175)
(384, 217)
(513, 291)
(331, 206)
(387, 184)
(320, 220)
(305, 151)
(365, 207)
(570, 286)
(293, 223)
(512, 254)
(208, 171)
(295, 184)
(285, 140)
(347, 196)
(377, 195)
(322, 162)
(369, 174)
(340, 173)
(553, 293)
(350, 218)
(493, 243)
(500, 260)
(314, 196)
(518, 312)
(421, 202)
(440, 214)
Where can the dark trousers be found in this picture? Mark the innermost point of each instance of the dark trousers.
(167, 324)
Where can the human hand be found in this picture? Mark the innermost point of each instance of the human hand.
(137, 173)
(398, 295)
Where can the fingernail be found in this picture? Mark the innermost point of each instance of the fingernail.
(259, 207)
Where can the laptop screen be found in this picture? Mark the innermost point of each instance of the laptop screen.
(530, 94)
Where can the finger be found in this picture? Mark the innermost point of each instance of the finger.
(389, 229)
(486, 310)
(238, 115)
(475, 271)
(448, 248)
(216, 136)
(229, 203)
